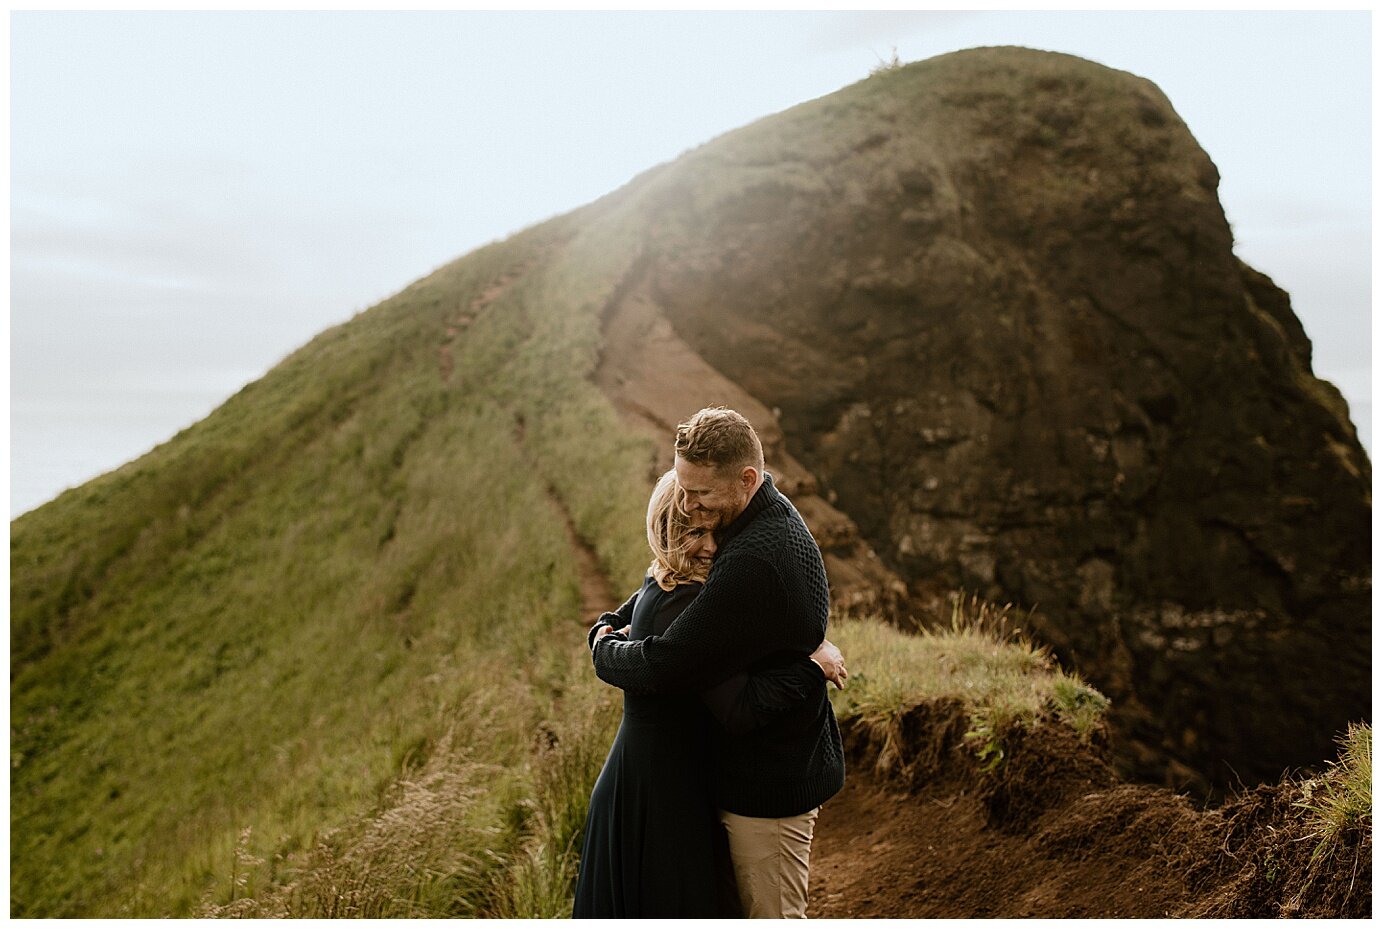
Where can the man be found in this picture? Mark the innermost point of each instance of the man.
(766, 595)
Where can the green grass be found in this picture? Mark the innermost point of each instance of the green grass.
(1340, 801)
(261, 624)
(457, 837)
(998, 676)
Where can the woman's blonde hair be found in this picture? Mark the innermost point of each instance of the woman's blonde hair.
(669, 536)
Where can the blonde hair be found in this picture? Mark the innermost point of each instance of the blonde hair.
(669, 536)
(720, 438)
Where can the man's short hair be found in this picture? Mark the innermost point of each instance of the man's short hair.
(720, 438)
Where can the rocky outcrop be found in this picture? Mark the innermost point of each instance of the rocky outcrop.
(991, 298)
(655, 380)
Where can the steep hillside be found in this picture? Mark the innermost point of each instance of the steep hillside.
(992, 301)
(358, 585)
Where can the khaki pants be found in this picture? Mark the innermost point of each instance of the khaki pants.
(772, 858)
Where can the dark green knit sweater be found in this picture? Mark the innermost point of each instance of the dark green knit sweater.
(766, 596)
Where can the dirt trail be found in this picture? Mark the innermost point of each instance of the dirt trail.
(467, 314)
(597, 595)
(655, 380)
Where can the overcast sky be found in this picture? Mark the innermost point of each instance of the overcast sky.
(195, 195)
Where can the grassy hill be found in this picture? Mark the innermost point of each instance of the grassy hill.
(264, 621)
(322, 653)
(338, 619)
(335, 630)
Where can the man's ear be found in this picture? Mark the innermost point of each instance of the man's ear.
(748, 477)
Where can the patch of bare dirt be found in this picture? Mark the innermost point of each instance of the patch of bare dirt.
(920, 832)
(655, 380)
(597, 595)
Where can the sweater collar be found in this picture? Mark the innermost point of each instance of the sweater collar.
(765, 496)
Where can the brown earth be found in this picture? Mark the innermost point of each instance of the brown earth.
(1053, 834)
(597, 593)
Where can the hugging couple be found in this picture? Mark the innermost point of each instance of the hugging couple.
(728, 747)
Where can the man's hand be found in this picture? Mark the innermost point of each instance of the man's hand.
(832, 662)
(606, 629)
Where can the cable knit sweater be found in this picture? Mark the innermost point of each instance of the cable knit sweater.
(766, 597)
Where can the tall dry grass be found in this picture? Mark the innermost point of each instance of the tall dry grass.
(454, 836)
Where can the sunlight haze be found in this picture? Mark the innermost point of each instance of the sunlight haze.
(195, 195)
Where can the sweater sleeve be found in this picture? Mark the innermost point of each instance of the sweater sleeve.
(724, 630)
(618, 619)
(751, 700)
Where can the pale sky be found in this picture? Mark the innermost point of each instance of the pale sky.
(195, 195)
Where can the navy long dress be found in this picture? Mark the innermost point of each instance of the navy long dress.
(650, 833)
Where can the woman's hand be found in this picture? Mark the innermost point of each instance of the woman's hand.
(832, 663)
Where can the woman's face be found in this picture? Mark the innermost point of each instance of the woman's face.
(700, 545)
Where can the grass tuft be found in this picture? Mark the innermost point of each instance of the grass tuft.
(1340, 800)
(892, 63)
(1078, 705)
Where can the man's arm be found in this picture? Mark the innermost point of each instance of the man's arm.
(749, 701)
(724, 630)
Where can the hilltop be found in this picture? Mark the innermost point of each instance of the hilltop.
(984, 311)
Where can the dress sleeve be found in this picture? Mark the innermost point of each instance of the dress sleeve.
(625, 612)
(750, 700)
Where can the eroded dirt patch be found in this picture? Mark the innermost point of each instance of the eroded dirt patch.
(925, 834)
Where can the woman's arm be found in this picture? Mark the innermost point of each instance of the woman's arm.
(618, 620)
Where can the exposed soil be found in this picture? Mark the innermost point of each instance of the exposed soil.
(597, 595)
(920, 832)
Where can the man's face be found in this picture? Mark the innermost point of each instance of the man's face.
(714, 497)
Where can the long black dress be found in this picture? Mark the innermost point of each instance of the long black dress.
(650, 834)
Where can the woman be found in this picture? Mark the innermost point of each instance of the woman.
(650, 833)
